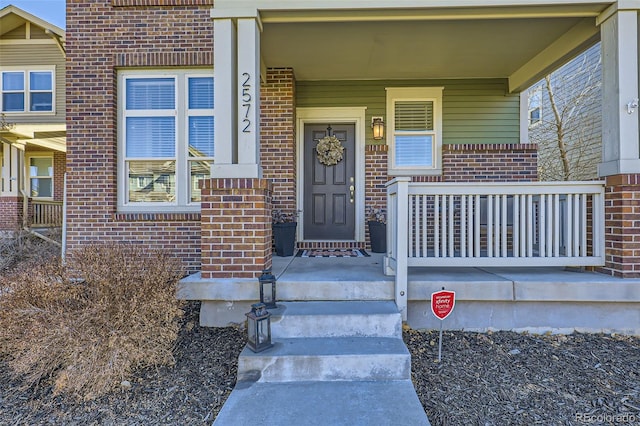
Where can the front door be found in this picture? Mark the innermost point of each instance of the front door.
(329, 191)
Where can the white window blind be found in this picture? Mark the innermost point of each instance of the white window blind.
(415, 134)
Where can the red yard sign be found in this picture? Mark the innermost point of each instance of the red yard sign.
(442, 303)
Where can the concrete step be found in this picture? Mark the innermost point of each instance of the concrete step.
(336, 319)
(327, 359)
(383, 403)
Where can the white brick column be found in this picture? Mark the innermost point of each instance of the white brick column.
(620, 124)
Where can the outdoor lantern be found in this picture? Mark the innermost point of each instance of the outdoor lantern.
(259, 328)
(378, 127)
(268, 289)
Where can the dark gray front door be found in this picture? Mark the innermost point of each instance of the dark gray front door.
(329, 191)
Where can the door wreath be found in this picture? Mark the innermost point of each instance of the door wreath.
(329, 150)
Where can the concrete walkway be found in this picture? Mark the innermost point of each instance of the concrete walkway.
(332, 363)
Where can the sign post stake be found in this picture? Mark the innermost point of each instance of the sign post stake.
(442, 303)
(440, 344)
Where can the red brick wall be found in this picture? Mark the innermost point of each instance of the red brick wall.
(236, 227)
(10, 213)
(622, 226)
(490, 163)
(278, 142)
(101, 37)
(59, 167)
(460, 163)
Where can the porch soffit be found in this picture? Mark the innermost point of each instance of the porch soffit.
(50, 136)
(377, 39)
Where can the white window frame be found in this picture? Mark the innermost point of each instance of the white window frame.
(26, 74)
(39, 154)
(536, 91)
(182, 202)
(433, 94)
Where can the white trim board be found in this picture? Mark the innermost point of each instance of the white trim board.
(354, 115)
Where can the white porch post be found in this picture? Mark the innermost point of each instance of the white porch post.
(249, 96)
(236, 97)
(10, 170)
(224, 57)
(401, 244)
(620, 124)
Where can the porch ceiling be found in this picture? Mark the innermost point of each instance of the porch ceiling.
(420, 44)
(49, 136)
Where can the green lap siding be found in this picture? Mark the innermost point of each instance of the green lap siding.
(474, 111)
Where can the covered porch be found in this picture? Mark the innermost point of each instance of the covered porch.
(468, 61)
(33, 158)
(295, 73)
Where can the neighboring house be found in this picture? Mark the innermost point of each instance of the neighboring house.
(33, 128)
(190, 120)
(565, 119)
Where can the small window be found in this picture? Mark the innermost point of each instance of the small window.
(415, 130)
(27, 91)
(535, 106)
(13, 90)
(41, 176)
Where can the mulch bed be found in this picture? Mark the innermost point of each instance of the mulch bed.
(518, 379)
(483, 379)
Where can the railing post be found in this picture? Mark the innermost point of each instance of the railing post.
(401, 243)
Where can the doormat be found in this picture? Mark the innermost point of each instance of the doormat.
(332, 253)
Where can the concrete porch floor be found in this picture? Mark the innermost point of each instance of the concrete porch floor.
(297, 269)
(533, 299)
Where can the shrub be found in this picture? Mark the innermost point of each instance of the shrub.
(88, 324)
(22, 248)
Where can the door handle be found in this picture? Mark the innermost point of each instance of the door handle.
(352, 190)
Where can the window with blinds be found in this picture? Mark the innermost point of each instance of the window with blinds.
(413, 132)
(166, 138)
(415, 137)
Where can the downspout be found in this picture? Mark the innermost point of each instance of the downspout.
(64, 219)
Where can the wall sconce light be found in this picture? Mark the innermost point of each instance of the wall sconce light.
(377, 124)
(632, 106)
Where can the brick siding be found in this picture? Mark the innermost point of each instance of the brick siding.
(100, 37)
(59, 168)
(10, 213)
(622, 226)
(278, 143)
(236, 227)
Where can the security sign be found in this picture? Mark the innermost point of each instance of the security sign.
(442, 303)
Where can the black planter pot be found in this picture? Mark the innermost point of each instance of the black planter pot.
(284, 235)
(378, 236)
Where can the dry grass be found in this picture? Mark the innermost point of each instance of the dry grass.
(24, 249)
(88, 324)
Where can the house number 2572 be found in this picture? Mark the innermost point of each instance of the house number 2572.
(246, 102)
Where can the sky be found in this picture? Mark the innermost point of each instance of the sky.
(52, 11)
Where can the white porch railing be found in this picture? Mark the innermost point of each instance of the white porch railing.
(492, 224)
